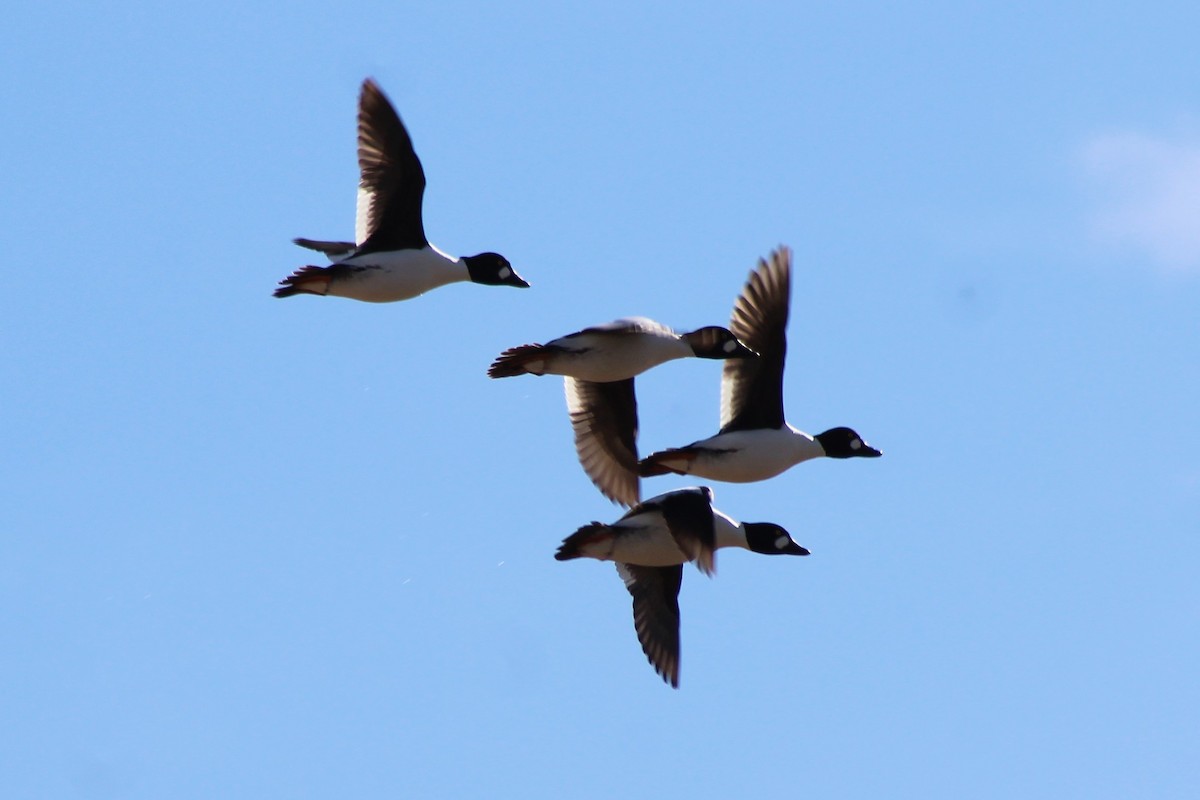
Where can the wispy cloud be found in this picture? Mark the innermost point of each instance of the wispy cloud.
(1149, 196)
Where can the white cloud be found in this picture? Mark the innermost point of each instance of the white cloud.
(1150, 196)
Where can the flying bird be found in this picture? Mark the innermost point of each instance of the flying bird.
(651, 543)
(599, 364)
(755, 441)
(390, 258)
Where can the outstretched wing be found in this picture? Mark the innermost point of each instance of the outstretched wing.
(604, 420)
(391, 183)
(752, 388)
(655, 593)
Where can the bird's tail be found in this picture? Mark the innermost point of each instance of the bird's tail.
(306, 280)
(522, 360)
(574, 546)
(658, 463)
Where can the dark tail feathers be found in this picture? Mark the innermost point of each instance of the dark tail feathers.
(649, 466)
(306, 280)
(512, 361)
(571, 546)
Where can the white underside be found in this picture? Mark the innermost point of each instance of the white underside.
(398, 275)
(745, 456)
(613, 357)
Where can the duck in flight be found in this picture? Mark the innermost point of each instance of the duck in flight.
(390, 258)
(651, 543)
(599, 364)
(755, 441)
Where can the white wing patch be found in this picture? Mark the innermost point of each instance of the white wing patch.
(726, 400)
(362, 213)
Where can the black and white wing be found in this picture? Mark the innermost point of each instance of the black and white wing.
(752, 388)
(655, 593)
(604, 420)
(392, 183)
(688, 516)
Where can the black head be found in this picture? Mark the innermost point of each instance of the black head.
(845, 443)
(772, 540)
(493, 269)
(717, 342)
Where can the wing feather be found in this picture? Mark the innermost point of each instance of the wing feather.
(655, 592)
(391, 183)
(689, 517)
(604, 420)
(752, 388)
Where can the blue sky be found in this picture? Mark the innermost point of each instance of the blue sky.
(261, 548)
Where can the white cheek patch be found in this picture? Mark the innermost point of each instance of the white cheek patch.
(781, 542)
(729, 346)
(505, 272)
(856, 444)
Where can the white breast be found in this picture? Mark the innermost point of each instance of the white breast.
(398, 275)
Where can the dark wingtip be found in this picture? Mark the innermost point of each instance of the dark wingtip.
(668, 671)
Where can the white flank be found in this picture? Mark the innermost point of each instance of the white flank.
(398, 275)
(604, 357)
(746, 456)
